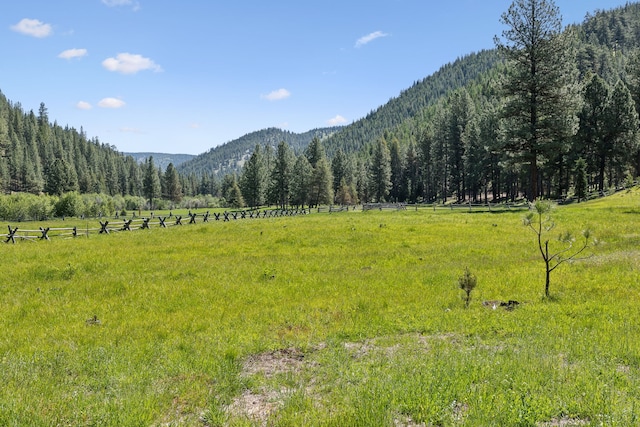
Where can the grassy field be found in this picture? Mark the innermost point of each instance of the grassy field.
(344, 319)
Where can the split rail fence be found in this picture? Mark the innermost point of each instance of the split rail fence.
(106, 227)
(15, 234)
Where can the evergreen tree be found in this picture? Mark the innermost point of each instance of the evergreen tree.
(489, 139)
(380, 171)
(281, 175)
(474, 160)
(338, 168)
(362, 180)
(458, 115)
(253, 179)
(539, 85)
(315, 152)
(591, 137)
(234, 195)
(426, 166)
(226, 185)
(346, 194)
(580, 179)
(440, 178)
(151, 182)
(173, 188)
(57, 178)
(5, 145)
(411, 176)
(622, 132)
(301, 182)
(321, 183)
(397, 192)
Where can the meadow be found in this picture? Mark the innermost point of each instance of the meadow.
(343, 319)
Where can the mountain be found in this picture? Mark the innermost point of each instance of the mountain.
(412, 102)
(161, 160)
(600, 36)
(229, 157)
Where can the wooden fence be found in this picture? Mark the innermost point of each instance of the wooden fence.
(107, 226)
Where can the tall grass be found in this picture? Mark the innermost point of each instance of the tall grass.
(367, 302)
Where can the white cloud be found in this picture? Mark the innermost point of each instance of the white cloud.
(127, 63)
(337, 120)
(73, 53)
(277, 95)
(111, 103)
(33, 27)
(83, 105)
(194, 125)
(369, 38)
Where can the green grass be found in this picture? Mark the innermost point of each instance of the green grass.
(325, 319)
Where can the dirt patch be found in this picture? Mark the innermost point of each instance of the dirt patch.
(257, 406)
(274, 362)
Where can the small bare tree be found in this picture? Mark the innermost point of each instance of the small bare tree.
(467, 282)
(541, 223)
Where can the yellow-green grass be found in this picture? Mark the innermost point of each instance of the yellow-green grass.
(325, 319)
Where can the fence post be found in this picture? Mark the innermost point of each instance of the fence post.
(11, 234)
(45, 232)
(103, 227)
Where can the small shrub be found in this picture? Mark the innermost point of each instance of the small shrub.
(467, 282)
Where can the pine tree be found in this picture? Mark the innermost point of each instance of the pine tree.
(380, 171)
(474, 160)
(622, 132)
(234, 195)
(411, 176)
(321, 183)
(397, 192)
(151, 182)
(338, 168)
(458, 115)
(315, 151)
(173, 188)
(438, 157)
(362, 180)
(301, 182)
(281, 175)
(580, 179)
(253, 179)
(539, 85)
(591, 137)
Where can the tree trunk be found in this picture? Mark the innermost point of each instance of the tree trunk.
(548, 270)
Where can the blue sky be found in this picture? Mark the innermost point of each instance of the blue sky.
(183, 76)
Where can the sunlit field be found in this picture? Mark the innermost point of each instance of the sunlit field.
(343, 319)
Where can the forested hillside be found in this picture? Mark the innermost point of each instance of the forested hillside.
(551, 114)
(229, 157)
(39, 156)
(468, 132)
(413, 101)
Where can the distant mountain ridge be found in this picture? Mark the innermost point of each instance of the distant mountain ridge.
(229, 157)
(161, 160)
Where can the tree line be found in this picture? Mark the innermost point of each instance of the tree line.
(556, 115)
(550, 112)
